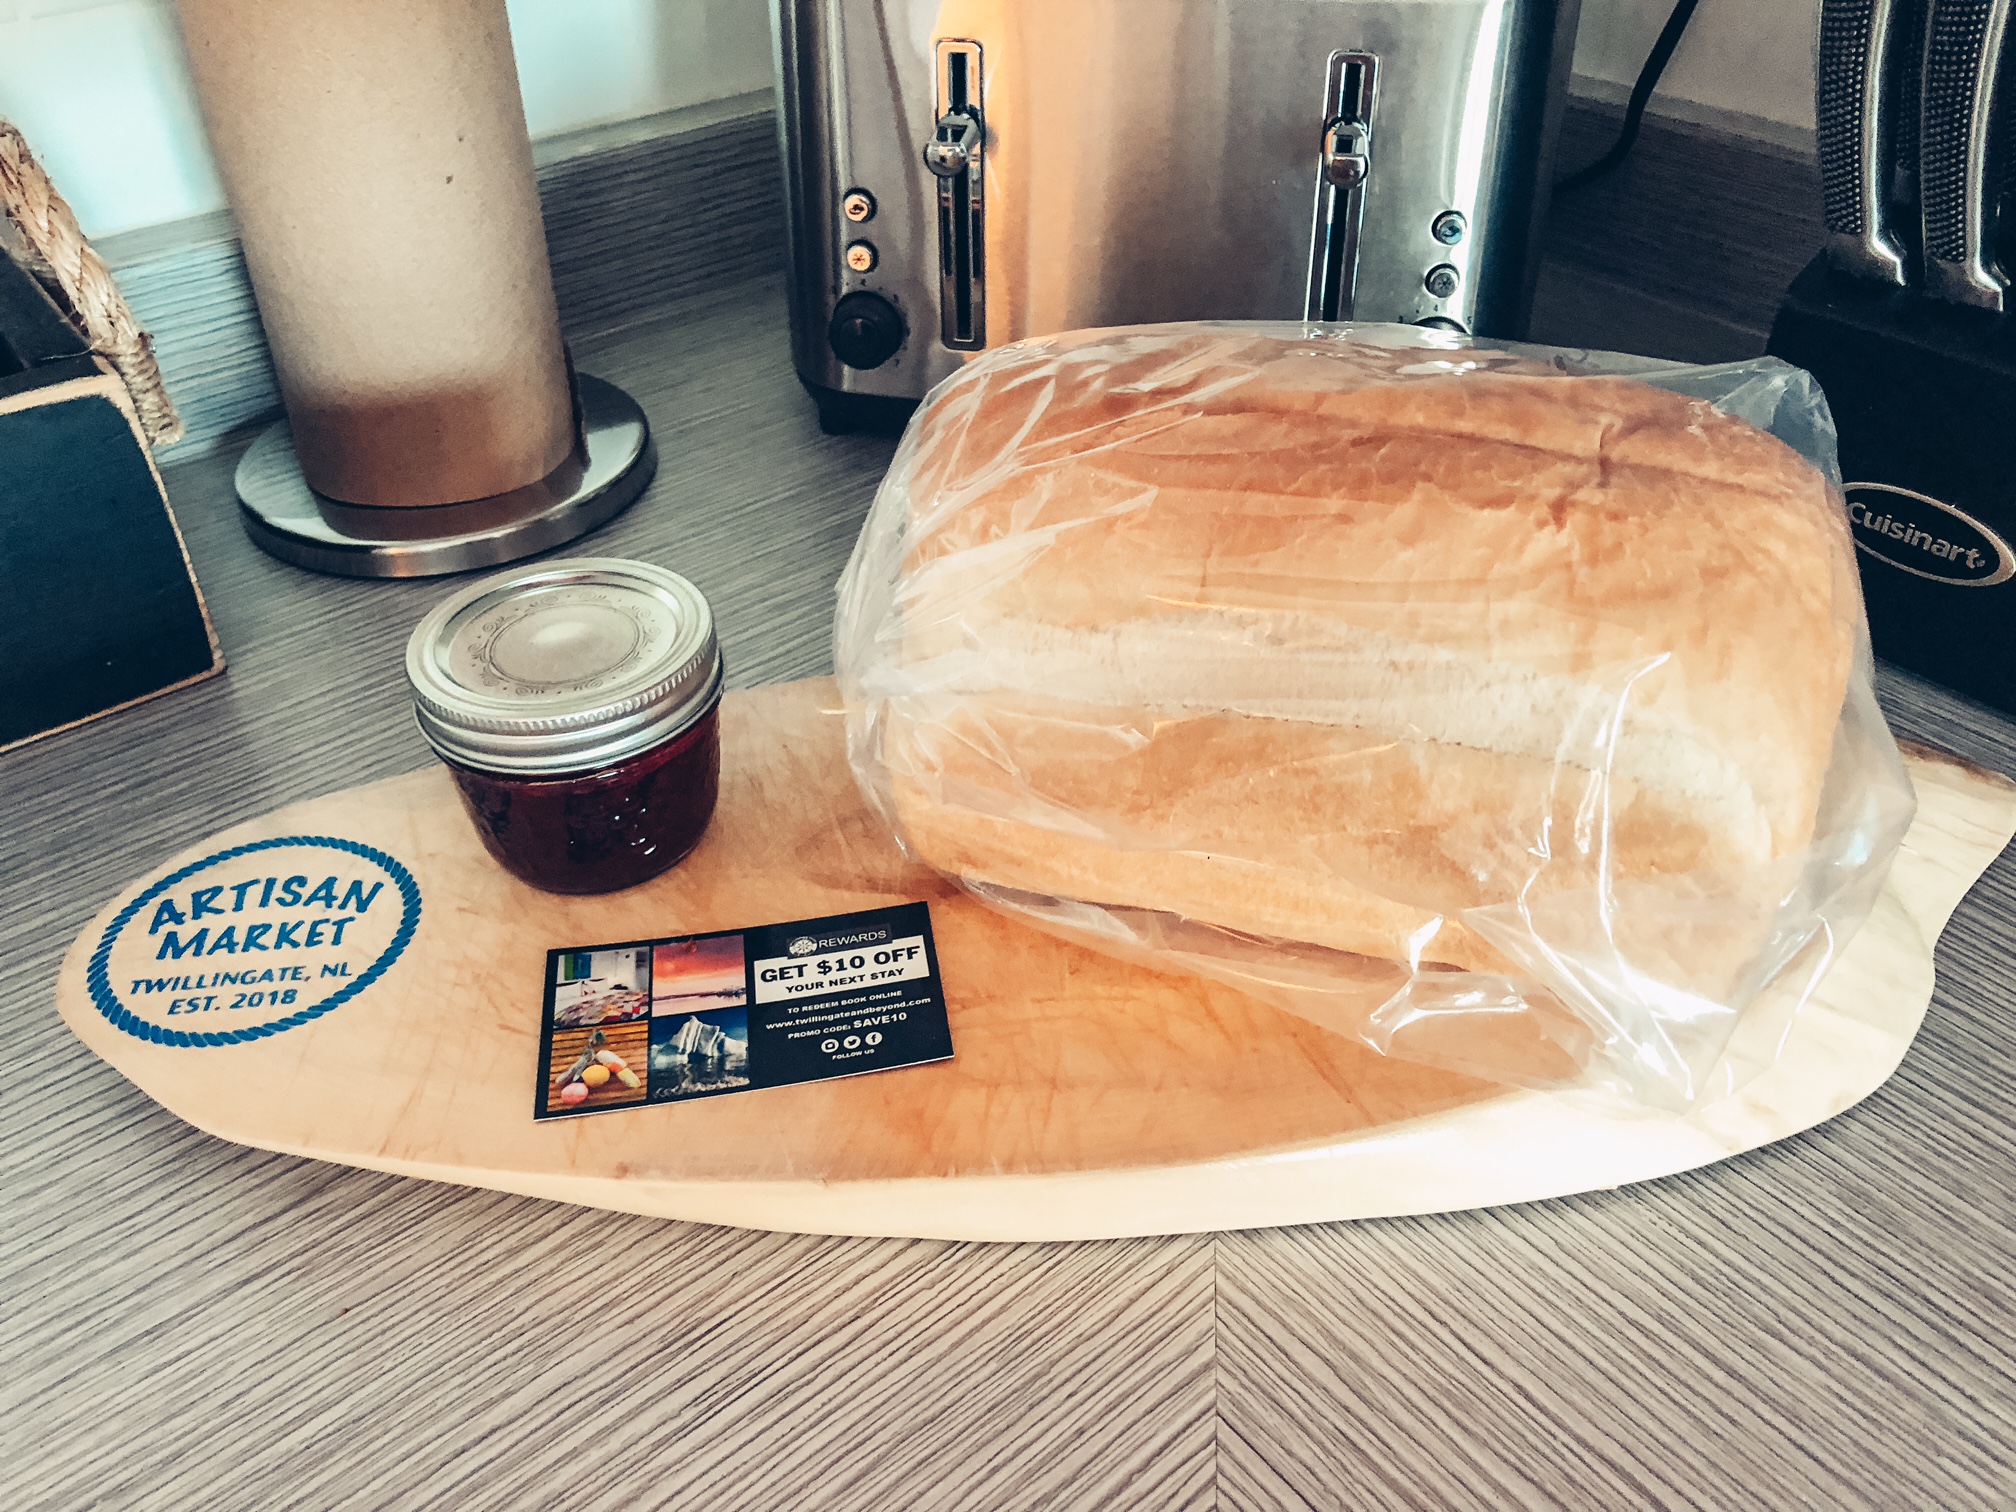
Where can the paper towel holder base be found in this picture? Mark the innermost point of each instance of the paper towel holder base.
(606, 472)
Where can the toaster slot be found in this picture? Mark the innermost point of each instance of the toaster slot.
(1345, 163)
(954, 156)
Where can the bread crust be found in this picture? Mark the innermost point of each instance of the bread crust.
(1325, 642)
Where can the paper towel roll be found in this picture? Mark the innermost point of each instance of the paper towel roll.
(376, 157)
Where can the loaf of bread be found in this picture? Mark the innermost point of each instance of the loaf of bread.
(1330, 641)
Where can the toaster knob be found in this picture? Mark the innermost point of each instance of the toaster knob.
(865, 331)
(953, 145)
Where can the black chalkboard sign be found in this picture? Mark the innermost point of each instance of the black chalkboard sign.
(98, 607)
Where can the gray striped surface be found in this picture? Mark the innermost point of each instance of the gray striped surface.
(1689, 246)
(188, 1324)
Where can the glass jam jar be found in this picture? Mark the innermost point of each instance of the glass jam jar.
(576, 704)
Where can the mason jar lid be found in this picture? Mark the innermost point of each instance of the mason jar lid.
(562, 667)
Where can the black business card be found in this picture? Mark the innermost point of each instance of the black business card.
(654, 1021)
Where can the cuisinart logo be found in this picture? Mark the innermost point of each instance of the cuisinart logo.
(1919, 535)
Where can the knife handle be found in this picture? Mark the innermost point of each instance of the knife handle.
(1961, 157)
(1855, 102)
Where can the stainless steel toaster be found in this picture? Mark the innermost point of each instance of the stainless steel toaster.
(964, 173)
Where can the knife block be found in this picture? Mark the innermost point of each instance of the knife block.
(1924, 398)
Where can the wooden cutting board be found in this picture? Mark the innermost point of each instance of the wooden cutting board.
(1086, 1098)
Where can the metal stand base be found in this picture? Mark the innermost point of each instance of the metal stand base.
(606, 473)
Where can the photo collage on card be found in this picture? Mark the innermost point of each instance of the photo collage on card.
(699, 1017)
(599, 1051)
(655, 1022)
(695, 1016)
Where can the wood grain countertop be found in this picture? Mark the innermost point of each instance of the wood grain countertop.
(188, 1324)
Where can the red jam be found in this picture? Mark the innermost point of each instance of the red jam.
(577, 704)
(602, 830)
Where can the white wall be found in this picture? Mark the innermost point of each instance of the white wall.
(1753, 57)
(99, 88)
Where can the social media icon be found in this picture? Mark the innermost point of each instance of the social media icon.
(875, 1037)
(829, 1046)
(852, 1042)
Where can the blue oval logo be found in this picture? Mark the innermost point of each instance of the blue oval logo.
(253, 940)
(1918, 534)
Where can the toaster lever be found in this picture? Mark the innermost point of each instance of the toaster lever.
(1344, 161)
(955, 154)
(950, 151)
(1341, 177)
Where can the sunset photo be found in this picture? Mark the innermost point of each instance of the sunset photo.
(689, 976)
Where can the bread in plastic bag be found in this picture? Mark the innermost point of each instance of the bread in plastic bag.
(1509, 709)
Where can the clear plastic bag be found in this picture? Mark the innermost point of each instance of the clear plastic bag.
(1509, 709)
